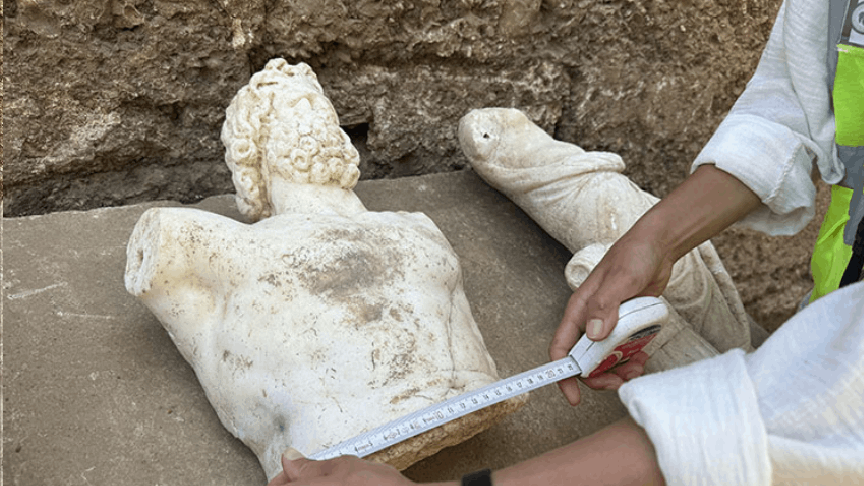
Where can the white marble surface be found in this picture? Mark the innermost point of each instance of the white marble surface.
(581, 199)
(321, 320)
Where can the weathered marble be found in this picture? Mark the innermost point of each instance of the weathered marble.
(581, 199)
(322, 319)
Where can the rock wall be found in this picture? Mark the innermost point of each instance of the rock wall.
(111, 102)
(117, 101)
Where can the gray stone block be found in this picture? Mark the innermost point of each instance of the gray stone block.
(96, 393)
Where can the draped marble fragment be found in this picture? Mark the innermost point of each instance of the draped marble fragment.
(582, 200)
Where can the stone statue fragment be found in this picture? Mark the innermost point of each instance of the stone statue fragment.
(321, 320)
(581, 199)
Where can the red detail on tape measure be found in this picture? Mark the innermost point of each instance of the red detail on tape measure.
(625, 351)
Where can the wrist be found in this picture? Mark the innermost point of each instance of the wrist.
(656, 233)
(706, 203)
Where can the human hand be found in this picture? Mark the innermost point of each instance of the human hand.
(341, 471)
(634, 266)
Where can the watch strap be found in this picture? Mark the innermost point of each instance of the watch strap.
(478, 478)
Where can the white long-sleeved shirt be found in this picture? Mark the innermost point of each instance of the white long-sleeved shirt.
(792, 412)
(783, 123)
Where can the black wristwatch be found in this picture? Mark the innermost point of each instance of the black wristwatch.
(479, 478)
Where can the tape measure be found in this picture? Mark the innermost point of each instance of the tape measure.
(639, 320)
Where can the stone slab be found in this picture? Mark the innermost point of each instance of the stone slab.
(94, 391)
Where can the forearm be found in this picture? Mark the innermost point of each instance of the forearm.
(707, 202)
(619, 454)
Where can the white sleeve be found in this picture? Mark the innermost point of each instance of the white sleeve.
(792, 412)
(782, 123)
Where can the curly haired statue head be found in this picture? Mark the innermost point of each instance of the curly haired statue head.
(282, 124)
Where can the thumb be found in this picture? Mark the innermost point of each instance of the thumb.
(602, 315)
(295, 465)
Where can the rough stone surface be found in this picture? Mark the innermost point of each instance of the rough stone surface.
(98, 89)
(92, 380)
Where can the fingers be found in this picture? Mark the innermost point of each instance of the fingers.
(602, 315)
(606, 381)
(570, 389)
(620, 374)
(569, 330)
(592, 309)
(283, 478)
(629, 269)
(340, 471)
(628, 371)
(614, 287)
(639, 358)
(280, 480)
(632, 267)
(295, 466)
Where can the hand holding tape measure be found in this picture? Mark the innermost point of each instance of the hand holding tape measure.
(639, 321)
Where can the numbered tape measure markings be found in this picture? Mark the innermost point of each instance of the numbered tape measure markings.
(639, 322)
(436, 415)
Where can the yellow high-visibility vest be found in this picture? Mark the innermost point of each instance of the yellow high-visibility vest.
(831, 255)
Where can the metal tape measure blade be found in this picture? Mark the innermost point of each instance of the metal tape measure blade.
(436, 415)
(639, 321)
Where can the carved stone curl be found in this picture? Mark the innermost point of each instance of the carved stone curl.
(322, 320)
